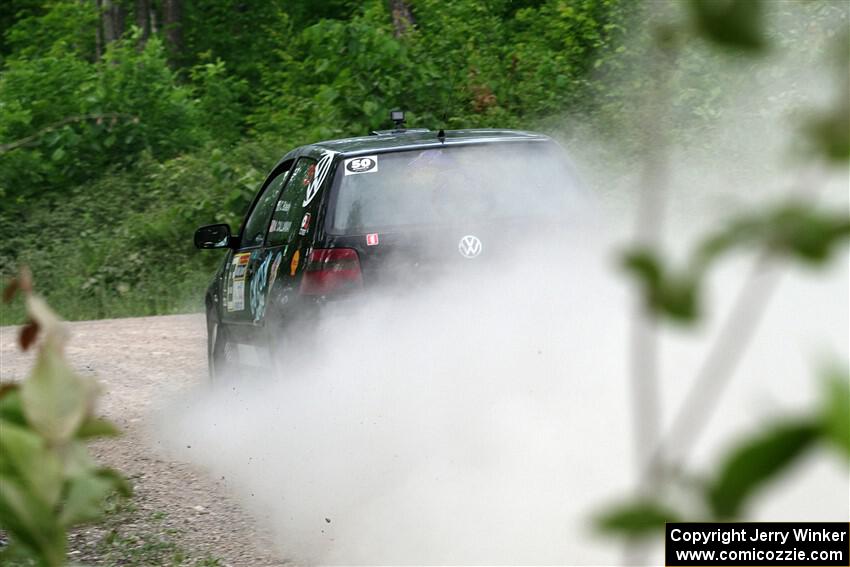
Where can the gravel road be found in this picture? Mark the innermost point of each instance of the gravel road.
(140, 363)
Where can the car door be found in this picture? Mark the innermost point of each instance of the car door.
(289, 236)
(243, 264)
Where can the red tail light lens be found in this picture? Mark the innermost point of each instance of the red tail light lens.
(332, 270)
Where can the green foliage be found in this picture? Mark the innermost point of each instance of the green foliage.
(665, 292)
(830, 133)
(243, 33)
(48, 482)
(461, 64)
(796, 231)
(835, 413)
(829, 128)
(636, 519)
(166, 119)
(133, 536)
(750, 465)
(791, 231)
(755, 462)
(730, 23)
(34, 95)
(51, 28)
(220, 100)
(129, 252)
(78, 117)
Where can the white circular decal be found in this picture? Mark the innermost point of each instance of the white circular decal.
(469, 246)
(360, 165)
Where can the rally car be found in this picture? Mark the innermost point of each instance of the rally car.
(337, 218)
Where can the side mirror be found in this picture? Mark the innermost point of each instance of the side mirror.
(213, 236)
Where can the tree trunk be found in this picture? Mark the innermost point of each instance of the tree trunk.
(172, 25)
(106, 21)
(142, 10)
(98, 35)
(119, 15)
(402, 17)
(112, 20)
(152, 19)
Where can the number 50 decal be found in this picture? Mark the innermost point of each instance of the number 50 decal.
(365, 164)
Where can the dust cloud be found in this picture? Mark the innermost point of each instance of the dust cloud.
(485, 417)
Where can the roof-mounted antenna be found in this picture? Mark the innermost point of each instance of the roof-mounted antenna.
(397, 116)
(441, 135)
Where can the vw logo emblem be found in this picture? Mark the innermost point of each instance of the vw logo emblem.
(469, 246)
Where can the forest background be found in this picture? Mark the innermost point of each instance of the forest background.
(125, 124)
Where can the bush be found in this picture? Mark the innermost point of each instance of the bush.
(129, 250)
(462, 64)
(80, 118)
(48, 481)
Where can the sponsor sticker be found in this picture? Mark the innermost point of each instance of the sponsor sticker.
(305, 224)
(293, 264)
(236, 291)
(372, 239)
(280, 226)
(275, 268)
(283, 206)
(238, 298)
(365, 164)
(240, 264)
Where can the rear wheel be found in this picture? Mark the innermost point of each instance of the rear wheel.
(220, 352)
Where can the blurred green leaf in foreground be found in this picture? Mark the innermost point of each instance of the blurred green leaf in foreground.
(791, 230)
(794, 231)
(748, 467)
(48, 481)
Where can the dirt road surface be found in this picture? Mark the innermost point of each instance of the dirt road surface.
(176, 508)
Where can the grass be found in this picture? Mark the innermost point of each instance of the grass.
(122, 245)
(127, 537)
(184, 296)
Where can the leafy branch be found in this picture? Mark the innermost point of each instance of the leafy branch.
(48, 481)
(795, 230)
(35, 137)
(751, 465)
(791, 231)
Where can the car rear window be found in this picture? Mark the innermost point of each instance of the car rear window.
(450, 185)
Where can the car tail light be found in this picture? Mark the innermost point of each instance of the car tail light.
(331, 270)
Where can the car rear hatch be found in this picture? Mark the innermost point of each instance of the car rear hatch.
(418, 214)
